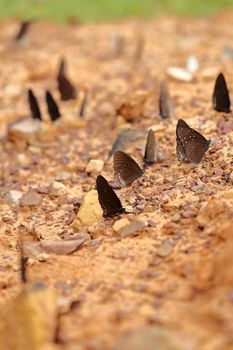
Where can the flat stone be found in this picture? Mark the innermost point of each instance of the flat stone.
(57, 189)
(31, 130)
(126, 228)
(26, 126)
(94, 166)
(63, 176)
(128, 138)
(165, 249)
(90, 211)
(58, 247)
(13, 197)
(179, 74)
(30, 199)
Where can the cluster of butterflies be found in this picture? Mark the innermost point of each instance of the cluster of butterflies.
(190, 147)
(67, 92)
(190, 144)
(66, 89)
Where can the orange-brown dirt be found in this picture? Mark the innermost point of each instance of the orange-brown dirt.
(176, 274)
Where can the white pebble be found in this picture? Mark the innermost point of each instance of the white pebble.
(192, 64)
(179, 74)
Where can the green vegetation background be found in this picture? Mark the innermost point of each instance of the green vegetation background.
(98, 10)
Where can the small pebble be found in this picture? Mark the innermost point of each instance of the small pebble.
(13, 197)
(30, 199)
(57, 189)
(63, 176)
(179, 74)
(125, 228)
(176, 217)
(192, 64)
(95, 166)
(165, 249)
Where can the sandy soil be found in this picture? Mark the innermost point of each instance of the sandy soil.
(175, 276)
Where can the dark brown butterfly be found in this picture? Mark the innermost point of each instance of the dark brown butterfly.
(190, 144)
(108, 199)
(83, 106)
(66, 89)
(221, 99)
(53, 109)
(125, 168)
(166, 107)
(23, 30)
(150, 155)
(34, 106)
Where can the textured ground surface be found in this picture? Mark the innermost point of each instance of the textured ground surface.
(175, 275)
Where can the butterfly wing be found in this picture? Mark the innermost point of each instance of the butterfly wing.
(221, 99)
(150, 150)
(108, 199)
(53, 109)
(66, 89)
(191, 145)
(166, 108)
(23, 30)
(126, 169)
(196, 148)
(34, 106)
(180, 150)
(182, 135)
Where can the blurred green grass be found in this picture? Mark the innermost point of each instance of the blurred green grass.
(99, 10)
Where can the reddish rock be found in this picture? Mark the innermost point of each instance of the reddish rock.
(30, 199)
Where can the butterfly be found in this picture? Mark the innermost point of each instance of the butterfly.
(23, 30)
(190, 144)
(221, 99)
(125, 168)
(53, 109)
(166, 108)
(150, 155)
(66, 89)
(108, 199)
(34, 106)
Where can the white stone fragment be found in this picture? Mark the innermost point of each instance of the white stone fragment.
(179, 74)
(26, 126)
(192, 64)
(13, 197)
